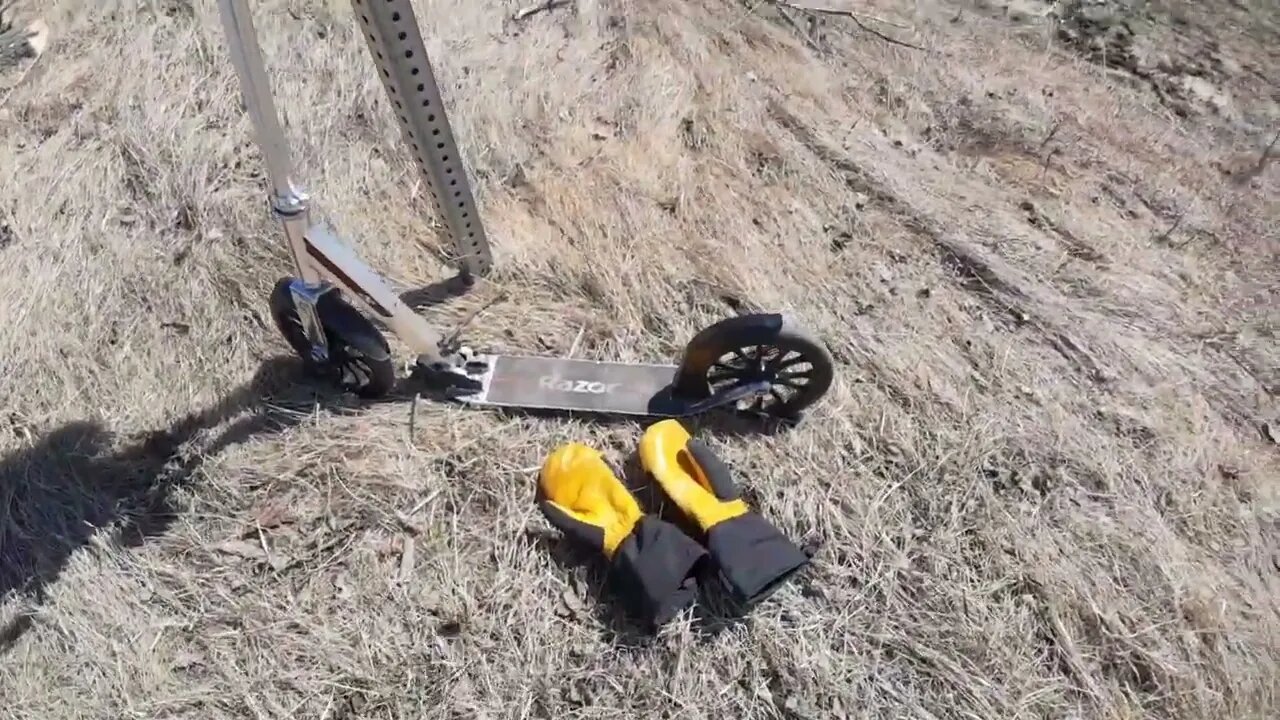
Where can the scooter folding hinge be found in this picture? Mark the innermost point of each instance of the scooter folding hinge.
(456, 378)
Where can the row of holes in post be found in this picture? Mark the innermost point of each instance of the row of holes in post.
(431, 118)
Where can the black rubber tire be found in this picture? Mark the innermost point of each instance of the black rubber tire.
(704, 364)
(360, 359)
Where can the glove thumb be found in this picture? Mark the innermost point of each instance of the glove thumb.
(569, 523)
(710, 471)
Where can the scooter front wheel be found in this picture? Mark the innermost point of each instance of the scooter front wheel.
(758, 349)
(359, 359)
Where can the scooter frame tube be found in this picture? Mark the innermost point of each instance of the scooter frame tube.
(322, 259)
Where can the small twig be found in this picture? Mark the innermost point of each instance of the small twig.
(1266, 154)
(262, 542)
(452, 338)
(1048, 160)
(545, 6)
(857, 20)
(1263, 159)
(576, 340)
(406, 560)
(1053, 131)
(800, 31)
(1048, 157)
(423, 503)
(413, 415)
(1176, 222)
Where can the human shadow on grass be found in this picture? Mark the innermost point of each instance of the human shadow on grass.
(80, 479)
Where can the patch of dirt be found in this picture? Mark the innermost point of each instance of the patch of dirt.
(1179, 52)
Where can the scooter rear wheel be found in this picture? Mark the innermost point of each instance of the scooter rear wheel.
(359, 358)
(754, 348)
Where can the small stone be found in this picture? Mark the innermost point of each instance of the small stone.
(572, 603)
(1271, 432)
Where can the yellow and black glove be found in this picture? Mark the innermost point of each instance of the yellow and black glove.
(653, 562)
(753, 556)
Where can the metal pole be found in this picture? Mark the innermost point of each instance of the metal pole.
(289, 201)
(391, 31)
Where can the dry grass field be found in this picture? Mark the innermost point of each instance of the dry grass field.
(1040, 238)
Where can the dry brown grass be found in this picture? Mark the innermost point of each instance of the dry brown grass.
(1038, 489)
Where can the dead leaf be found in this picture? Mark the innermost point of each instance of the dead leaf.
(323, 540)
(242, 548)
(393, 545)
(411, 525)
(278, 561)
(187, 658)
(601, 129)
(271, 514)
(1271, 431)
(342, 586)
(406, 560)
(572, 603)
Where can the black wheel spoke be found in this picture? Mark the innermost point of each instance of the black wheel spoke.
(721, 372)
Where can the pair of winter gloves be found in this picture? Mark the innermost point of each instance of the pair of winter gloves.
(655, 565)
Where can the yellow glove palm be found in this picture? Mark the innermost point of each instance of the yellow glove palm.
(584, 498)
(695, 480)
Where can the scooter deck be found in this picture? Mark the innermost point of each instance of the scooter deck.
(548, 383)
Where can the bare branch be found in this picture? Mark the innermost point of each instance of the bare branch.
(1052, 131)
(856, 18)
(545, 6)
(1266, 154)
(800, 31)
(1164, 238)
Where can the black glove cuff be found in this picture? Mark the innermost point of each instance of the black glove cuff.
(655, 569)
(754, 557)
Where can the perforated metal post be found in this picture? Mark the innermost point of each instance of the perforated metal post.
(391, 32)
